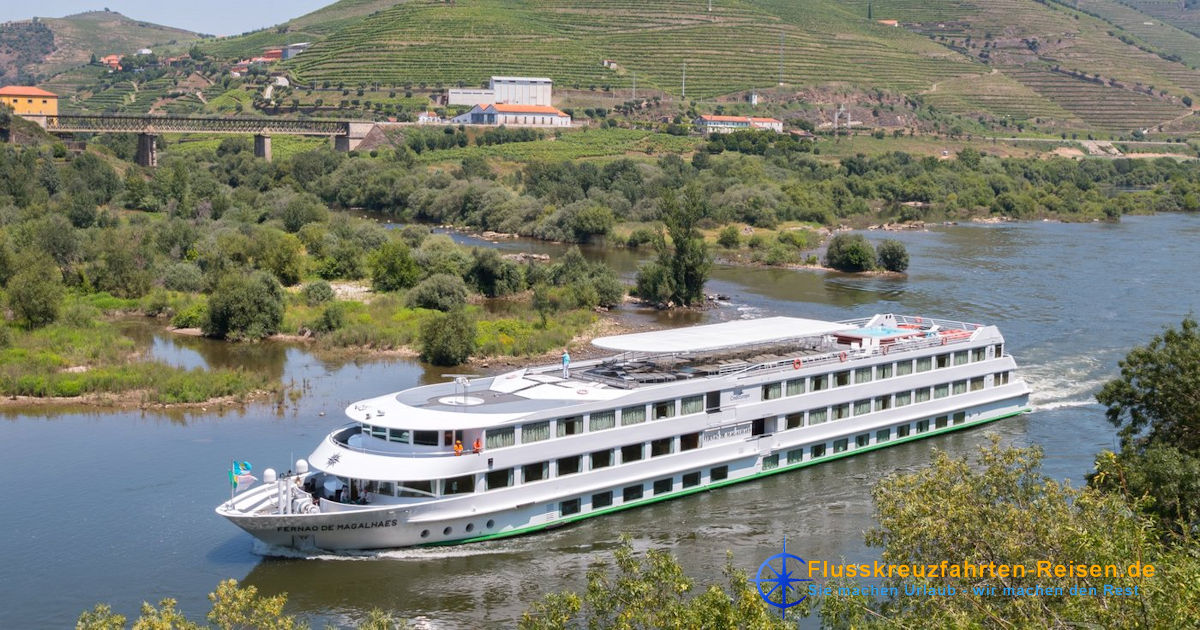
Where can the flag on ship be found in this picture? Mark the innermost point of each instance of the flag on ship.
(239, 475)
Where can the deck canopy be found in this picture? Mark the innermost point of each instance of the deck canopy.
(742, 332)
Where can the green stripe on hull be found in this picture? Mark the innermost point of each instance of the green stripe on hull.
(719, 484)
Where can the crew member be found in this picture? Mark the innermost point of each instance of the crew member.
(566, 360)
(477, 446)
(458, 448)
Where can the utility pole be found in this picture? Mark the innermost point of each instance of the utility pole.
(780, 57)
(710, 6)
(685, 79)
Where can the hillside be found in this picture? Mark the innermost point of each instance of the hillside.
(312, 26)
(45, 47)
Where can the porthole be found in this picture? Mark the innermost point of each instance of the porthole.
(447, 531)
(424, 533)
(470, 527)
(491, 523)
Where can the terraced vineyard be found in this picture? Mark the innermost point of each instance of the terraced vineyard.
(1170, 12)
(998, 95)
(1157, 33)
(1099, 106)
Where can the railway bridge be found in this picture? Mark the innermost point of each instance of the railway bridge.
(346, 134)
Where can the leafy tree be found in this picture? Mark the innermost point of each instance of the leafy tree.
(680, 271)
(245, 306)
(892, 255)
(494, 276)
(317, 292)
(729, 237)
(279, 253)
(441, 291)
(447, 338)
(183, 276)
(850, 252)
(393, 267)
(35, 293)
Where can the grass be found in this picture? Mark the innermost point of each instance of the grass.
(585, 143)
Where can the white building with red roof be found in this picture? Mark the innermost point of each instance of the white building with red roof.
(514, 116)
(711, 123)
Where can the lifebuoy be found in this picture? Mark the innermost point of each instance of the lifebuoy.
(843, 357)
(796, 363)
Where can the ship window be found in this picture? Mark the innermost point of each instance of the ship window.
(771, 391)
(601, 500)
(862, 440)
(795, 456)
(414, 488)
(459, 485)
(795, 387)
(999, 350)
(840, 445)
(497, 438)
(535, 472)
(425, 438)
(718, 473)
(664, 409)
(1001, 378)
(977, 384)
(961, 357)
(424, 533)
(903, 399)
(903, 368)
(771, 462)
(379, 432)
(569, 507)
(960, 387)
(535, 432)
(470, 527)
(795, 420)
(689, 441)
(386, 488)
(924, 364)
(398, 435)
(883, 402)
(941, 391)
(841, 379)
(602, 459)
(570, 465)
(902, 431)
(661, 447)
(713, 401)
(632, 453)
(884, 371)
(978, 354)
(841, 412)
(816, 450)
(633, 415)
(446, 531)
(883, 435)
(692, 404)
(663, 486)
(942, 421)
(817, 416)
(490, 524)
(691, 480)
(862, 407)
(570, 426)
(960, 417)
(499, 478)
(820, 382)
(922, 426)
(943, 360)
(759, 427)
(862, 375)
(602, 420)
(631, 493)
(922, 394)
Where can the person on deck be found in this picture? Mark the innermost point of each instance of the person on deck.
(477, 446)
(566, 360)
(458, 447)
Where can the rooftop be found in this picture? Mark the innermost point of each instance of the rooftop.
(530, 79)
(710, 337)
(716, 118)
(23, 90)
(506, 108)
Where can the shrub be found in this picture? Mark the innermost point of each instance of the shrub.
(639, 237)
(392, 267)
(332, 318)
(850, 252)
(892, 255)
(183, 276)
(448, 338)
(35, 293)
(317, 292)
(193, 316)
(441, 291)
(729, 237)
(245, 307)
(494, 276)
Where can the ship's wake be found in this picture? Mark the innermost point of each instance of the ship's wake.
(1064, 383)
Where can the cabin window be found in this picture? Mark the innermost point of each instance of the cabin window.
(960, 417)
(535, 432)
(862, 440)
(386, 488)
(1001, 378)
(820, 382)
(602, 459)
(961, 357)
(664, 409)
(691, 480)
(903, 399)
(841, 445)
(883, 402)
(903, 368)
(960, 387)
(883, 371)
(692, 404)
(712, 401)
(399, 435)
(570, 426)
(378, 432)
(943, 360)
(771, 391)
(689, 441)
(862, 375)
(883, 435)
(569, 465)
(602, 420)
(569, 507)
(414, 488)
(425, 438)
(817, 416)
(771, 462)
(795, 420)
(924, 364)
(795, 456)
(718, 473)
(795, 387)
(632, 453)
(841, 379)
(498, 438)
(459, 485)
(902, 431)
(633, 415)
(664, 486)
(535, 472)
(978, 354)
(923, 395)
(631, 493)
(999, 350)
(601, 500)
(499, 478)
(841, 412)
(922, 426)
(759, 427)
(862, 407)
(941, 391)
(942, 421)
(816, 450)
(665, 446)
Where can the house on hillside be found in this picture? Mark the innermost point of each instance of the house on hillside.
(429, 118)
(291, 50)
(514, 116)
(273, 54)
(29, 101)
(509, 90)
(710, 124)
(112, 61)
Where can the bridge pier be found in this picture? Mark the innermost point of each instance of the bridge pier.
(147, 151)
(262, 146)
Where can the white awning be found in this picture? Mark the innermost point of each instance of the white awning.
(719, 336)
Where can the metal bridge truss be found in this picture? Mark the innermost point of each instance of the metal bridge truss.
(109, 123)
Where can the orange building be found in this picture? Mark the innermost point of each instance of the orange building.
(29, 101)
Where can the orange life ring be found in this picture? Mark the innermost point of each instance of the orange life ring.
(796, 363)
(843, 357)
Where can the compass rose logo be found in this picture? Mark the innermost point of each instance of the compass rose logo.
(780, 580)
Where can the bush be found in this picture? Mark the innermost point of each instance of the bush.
(332, 318)
(448, 338)
(392, 267)
(729, 237)
(245, 307)
(892, 255)
(35, 293)
(317, 292)
(193, 316)
(639, 237)
(441, 291)
(850, 252)
(184, 277)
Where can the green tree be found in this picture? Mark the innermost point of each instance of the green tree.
(448, 338)
(245, 306)
(680, 271)
(441, 291)
(317, 292)
(280, 253)
(892, 255)
(35, 293)
(850, 252)
(393, 267)
(729, 237)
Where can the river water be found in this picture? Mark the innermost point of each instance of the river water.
(118, 506)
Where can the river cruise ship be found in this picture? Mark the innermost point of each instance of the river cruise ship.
(670, 413)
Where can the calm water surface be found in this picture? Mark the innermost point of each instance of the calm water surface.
(118, 506)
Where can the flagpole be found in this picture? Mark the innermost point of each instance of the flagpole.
(232, 484)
